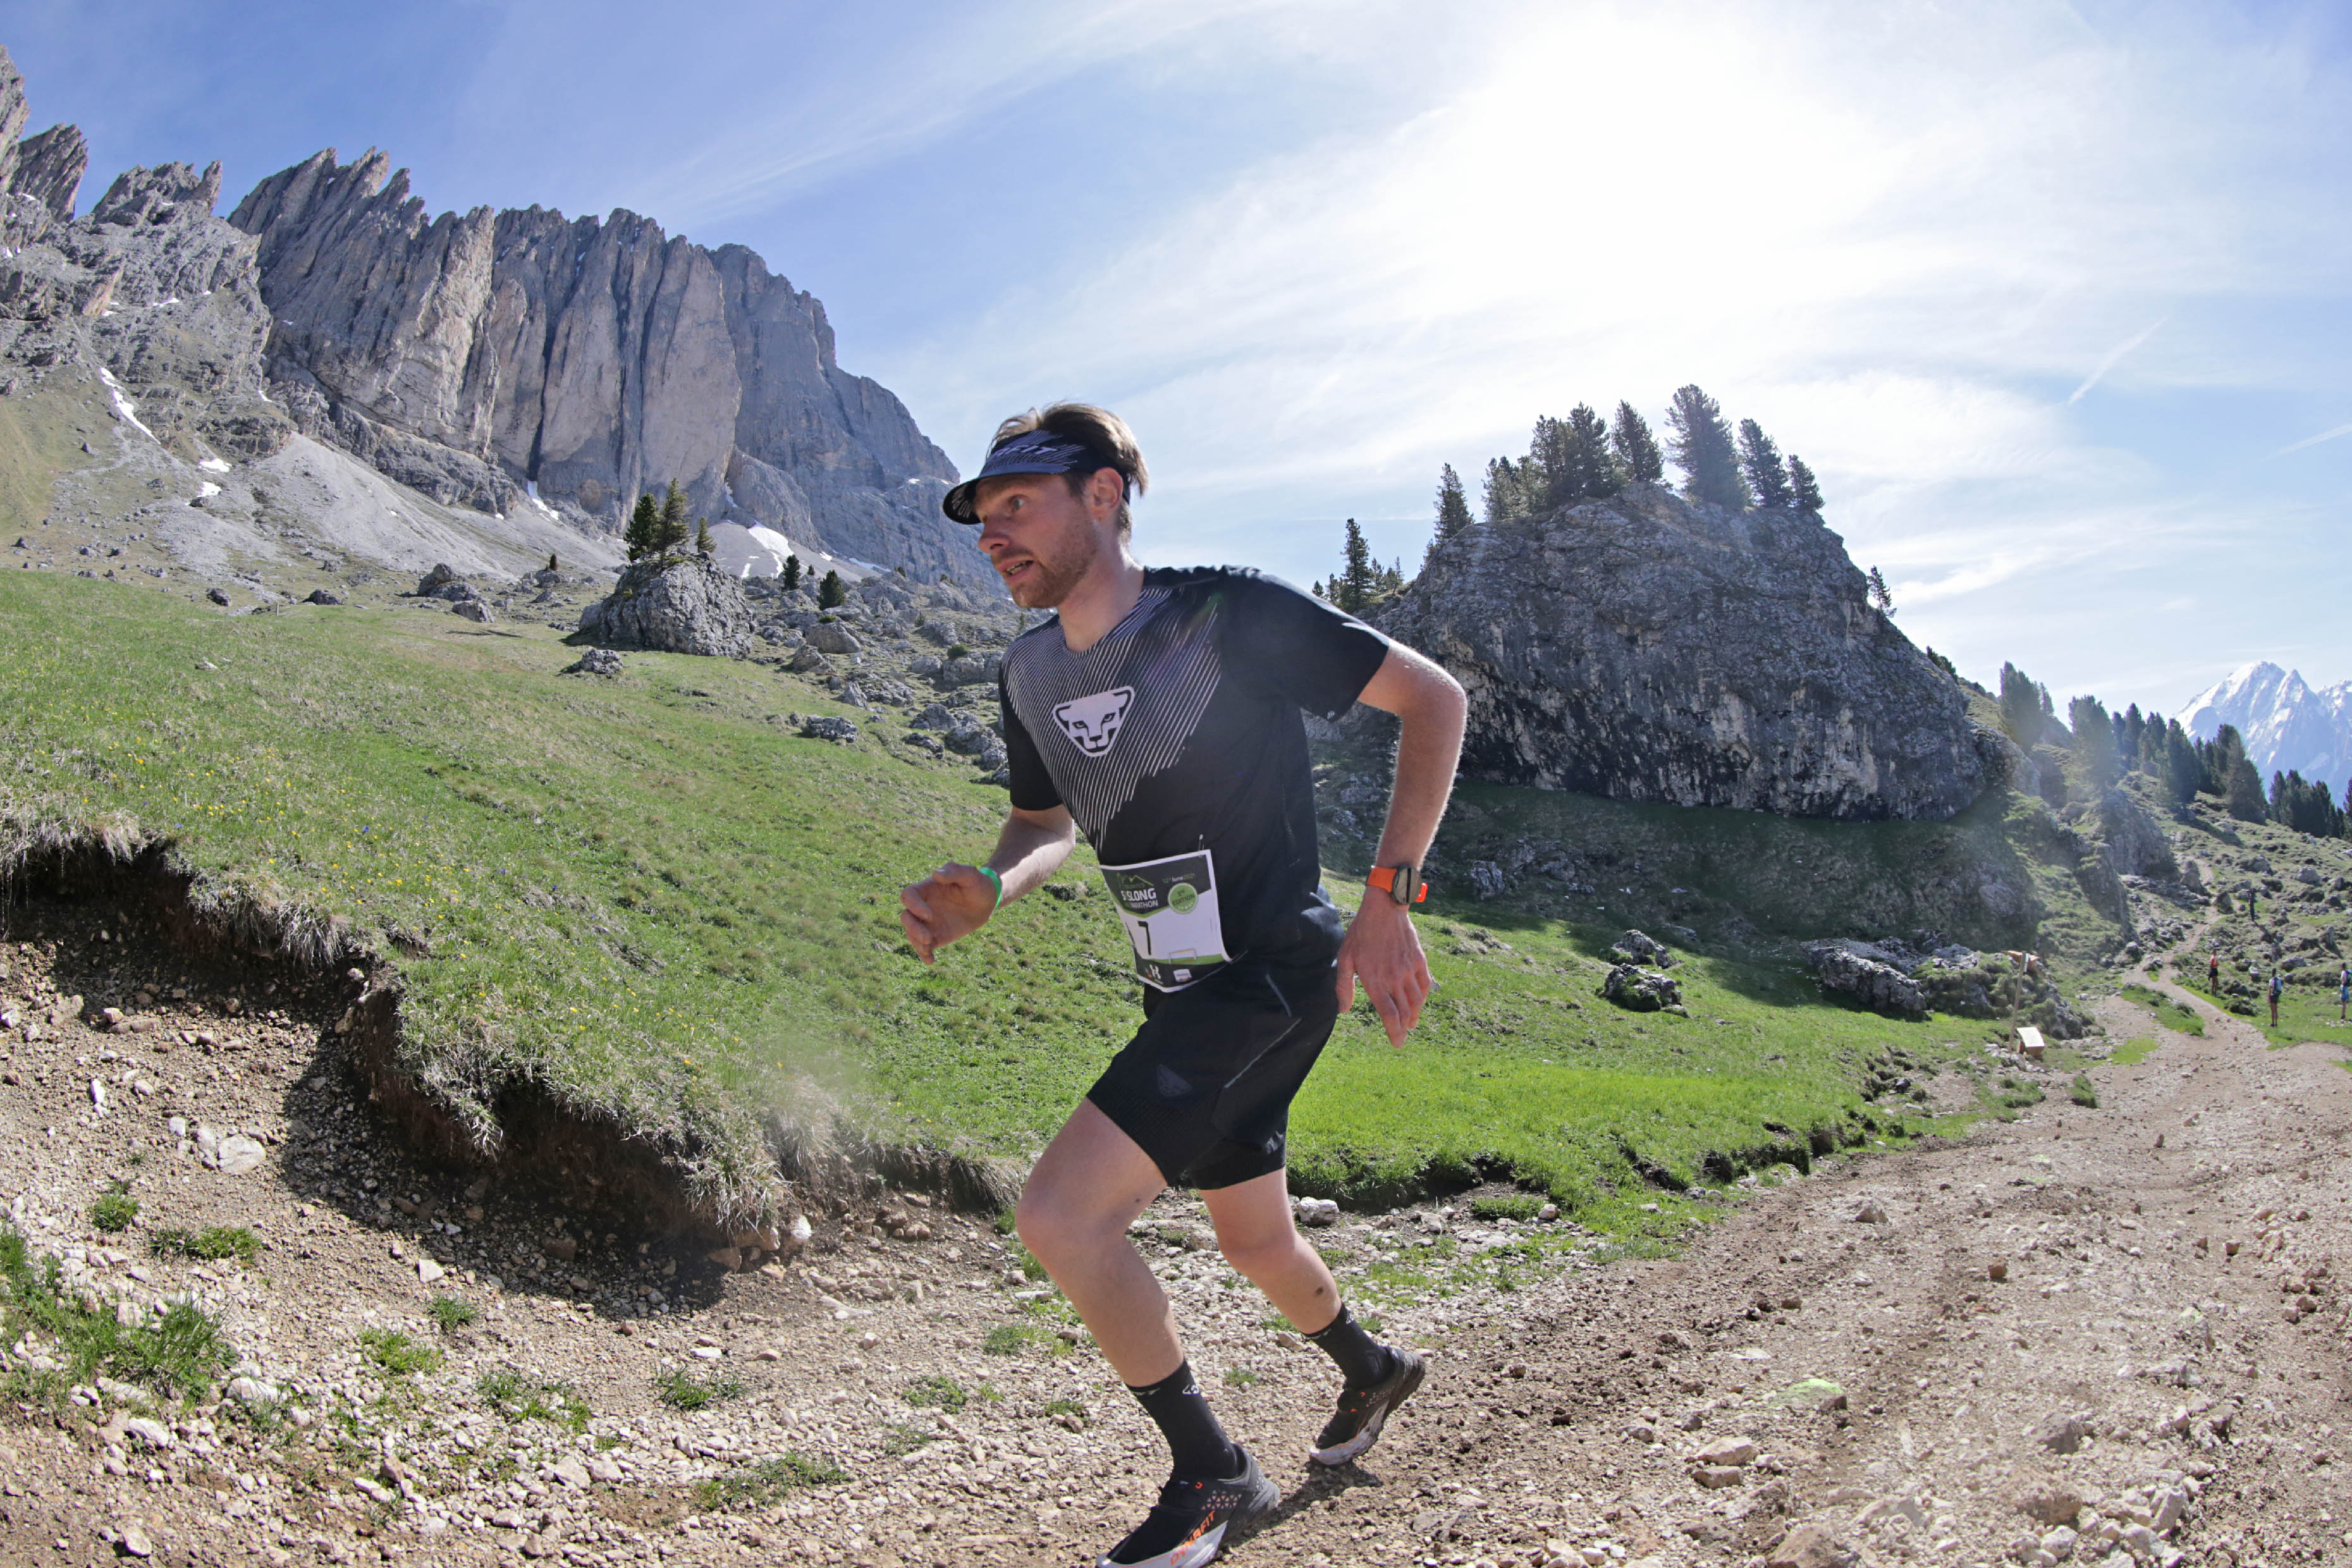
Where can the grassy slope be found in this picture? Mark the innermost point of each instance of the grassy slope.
(651, 898)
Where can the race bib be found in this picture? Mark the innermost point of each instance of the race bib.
(1169, 910)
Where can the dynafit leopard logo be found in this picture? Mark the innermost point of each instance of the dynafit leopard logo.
(1092, 724)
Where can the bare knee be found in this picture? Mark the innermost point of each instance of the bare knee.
(1054, 1230)
(1261, 1256)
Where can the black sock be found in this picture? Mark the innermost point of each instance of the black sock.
(1200, 1447)
(1362, 1359)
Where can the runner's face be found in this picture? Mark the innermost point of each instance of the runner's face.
(1042, 539)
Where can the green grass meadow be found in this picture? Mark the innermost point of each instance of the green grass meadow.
(651, 899)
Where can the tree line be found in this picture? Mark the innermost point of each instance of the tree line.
(1587, 458)
(2104, 746)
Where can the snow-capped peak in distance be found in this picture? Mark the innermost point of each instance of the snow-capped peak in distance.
(2287, 724)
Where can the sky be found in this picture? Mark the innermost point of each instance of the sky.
(2055, 299)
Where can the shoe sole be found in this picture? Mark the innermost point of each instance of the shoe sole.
(1354, 1447)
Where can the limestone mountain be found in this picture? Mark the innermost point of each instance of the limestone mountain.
(584, 361)
(2286, 722)
(1652, 648)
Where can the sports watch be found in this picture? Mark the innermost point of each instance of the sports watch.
(1403, 884)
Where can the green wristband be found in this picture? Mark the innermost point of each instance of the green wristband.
(998, 882)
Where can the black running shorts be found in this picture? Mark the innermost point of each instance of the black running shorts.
(1206, 1086)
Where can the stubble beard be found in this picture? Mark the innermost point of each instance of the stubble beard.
(1059, 570)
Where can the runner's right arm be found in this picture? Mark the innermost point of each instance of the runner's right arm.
(957, 900)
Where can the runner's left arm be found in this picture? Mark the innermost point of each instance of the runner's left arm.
(1382, 951)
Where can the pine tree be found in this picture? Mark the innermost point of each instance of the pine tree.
(1882, 597)
(1452, 505)
(1597, 474)
(1701, 446)
(670, 531)
(830, 594)
(1549, 477)
(2094, 741)
(1804, 491)
(1506, 499)
(2244, 799)
(703, 543)
(1358, 580)
(1636, 449)
(1759, 461)
(645, 524)
(2184, 776)
(792, 573)
(2022, 706)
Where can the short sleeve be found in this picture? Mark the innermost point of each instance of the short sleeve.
(1308, 650)
(1032, 788)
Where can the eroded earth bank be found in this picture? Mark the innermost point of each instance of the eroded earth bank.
(1831, 1374)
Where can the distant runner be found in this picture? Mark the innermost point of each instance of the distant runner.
(1160, 714)
(2213, 973)
(2278, 985)
(2343, 993)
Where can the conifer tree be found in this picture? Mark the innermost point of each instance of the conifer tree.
(703, 543)
(1452, 505)
(670, 532)
(830, 594)
(1507, 500)
(644, 523)
(1759, 462)
(1548, 477)
(2022, 703)
(1700, 443)
(1804, 491)
(1358, 580)
(1597, 474)
(2244, 799)
(2094, 741)
(1636, 449)
(792, 573)
(2184, 776)
(1882, 597)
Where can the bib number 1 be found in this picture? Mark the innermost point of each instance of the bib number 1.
(1169, 910)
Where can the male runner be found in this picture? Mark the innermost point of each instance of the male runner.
(1158, 714)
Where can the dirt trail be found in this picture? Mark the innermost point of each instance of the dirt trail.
(1862, 1388)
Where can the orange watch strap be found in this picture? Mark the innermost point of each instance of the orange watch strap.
(1384, 879)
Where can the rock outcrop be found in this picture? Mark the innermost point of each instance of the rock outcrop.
(674, 606)
(40, 175)
(1649, 648)
(50, 168)
(573, 363)
(149, 288)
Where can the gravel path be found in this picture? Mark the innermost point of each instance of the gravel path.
(1833, 1373)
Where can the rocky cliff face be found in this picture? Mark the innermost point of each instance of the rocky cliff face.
(1648, 648)
(584, 361)
(40, 175)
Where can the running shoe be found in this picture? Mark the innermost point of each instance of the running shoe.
(1362, 1412)
(1186, 1528)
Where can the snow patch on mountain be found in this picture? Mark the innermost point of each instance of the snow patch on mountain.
(2286, 722)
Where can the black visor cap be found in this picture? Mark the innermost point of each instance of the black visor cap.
(1031, 452)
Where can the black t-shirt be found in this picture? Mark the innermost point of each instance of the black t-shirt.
(1177, 737)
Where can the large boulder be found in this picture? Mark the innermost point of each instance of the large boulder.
(1864, 973)
(1650, 648)
(1640, 990)
(2136, 841)
(674, 606)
